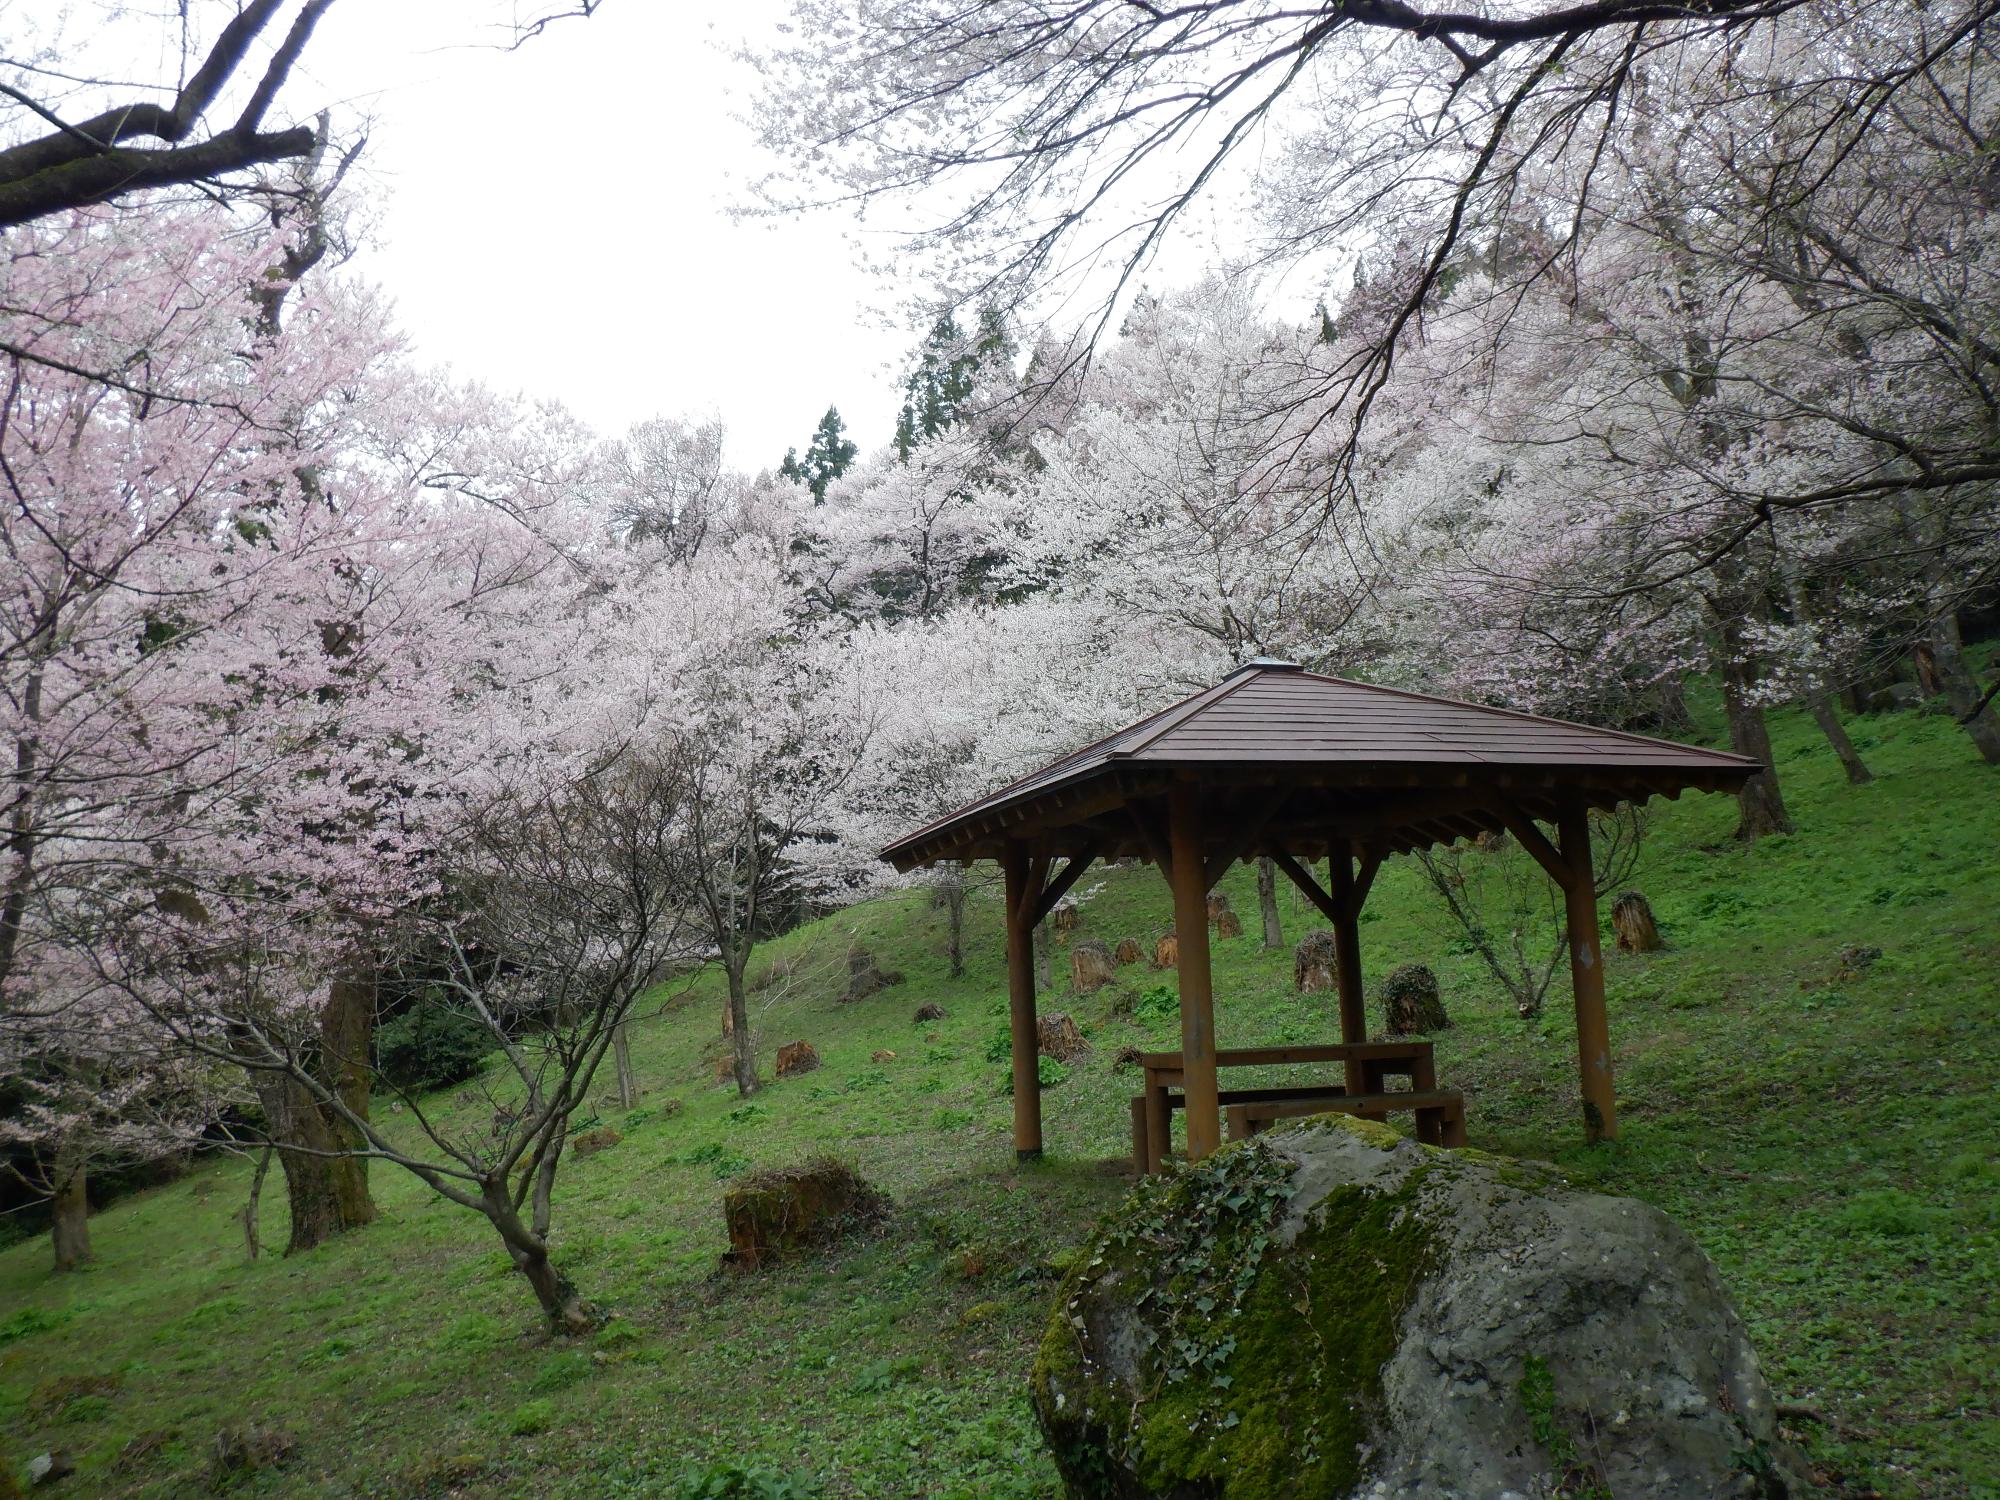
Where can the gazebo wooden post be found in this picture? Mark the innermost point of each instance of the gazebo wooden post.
(1586, 975)
(1347, 960)
(1021, 897)
(1197, 985)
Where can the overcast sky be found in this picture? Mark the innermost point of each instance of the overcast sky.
(554, 219)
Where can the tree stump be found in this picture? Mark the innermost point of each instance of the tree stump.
(1090, 966)
(882, 1055)
(1313, 962)
(1167, 951)
(930, 1010)
(795, 1058)
(1056, 1036)
(1129, 951)
(778, 1213)
(1410, 1002)
(1632, 920)
(1217, 905)
(593, 1141)
(1228, 924)
(1066, 917)
(865, 976)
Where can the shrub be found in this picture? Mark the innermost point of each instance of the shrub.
(430, 1046)
(531, 1417)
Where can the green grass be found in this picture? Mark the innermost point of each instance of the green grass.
(1830, 1140)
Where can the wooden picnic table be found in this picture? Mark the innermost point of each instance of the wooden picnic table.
(1367, 1064)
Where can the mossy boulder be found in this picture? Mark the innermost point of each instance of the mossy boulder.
(1331, 1310)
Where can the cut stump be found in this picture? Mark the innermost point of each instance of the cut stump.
(1129, 951)
(795, 1058)
(779, 1213)
(1313, 962)
(1411, 1004)
(1056, 1036)
(1632, 920)
(1090, 966)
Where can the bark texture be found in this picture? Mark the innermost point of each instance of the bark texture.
(1827, 716)
(1267, 903)
(70, 1217)
(1961, 690)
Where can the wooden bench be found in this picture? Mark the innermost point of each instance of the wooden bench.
(1371, 1064)
(1440, 1112)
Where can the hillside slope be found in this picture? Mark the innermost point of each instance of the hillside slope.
(1826, 1129)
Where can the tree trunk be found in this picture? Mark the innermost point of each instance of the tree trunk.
(954, 907)
(1961, 689)
(1929, 681)
(743, 1052)
(253, 1246)
(300, 1132)
(70, 1221)
(562, 1304)
(346, 1026)
(1761, 803)
(621, 1060)
(1044, 975)
(1267, 903)
(1828, 718)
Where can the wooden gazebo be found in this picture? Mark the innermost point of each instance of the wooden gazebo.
(1277, 761)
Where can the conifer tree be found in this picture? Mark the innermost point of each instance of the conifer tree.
(828, 456)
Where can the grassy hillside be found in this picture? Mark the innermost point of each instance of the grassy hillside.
(1827, 1131)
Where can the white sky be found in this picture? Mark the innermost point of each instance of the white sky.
(553, 219)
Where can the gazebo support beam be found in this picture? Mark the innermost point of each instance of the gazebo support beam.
(1189, 876)
(1342, 907)
(1586, 974)
(1022, 894)
(1347, 893)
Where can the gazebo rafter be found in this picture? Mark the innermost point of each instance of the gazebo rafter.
(1274, 761)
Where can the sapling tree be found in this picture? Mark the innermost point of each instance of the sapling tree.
(1504, 907)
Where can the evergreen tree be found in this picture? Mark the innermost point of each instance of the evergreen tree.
(937, 392)
(830, 454)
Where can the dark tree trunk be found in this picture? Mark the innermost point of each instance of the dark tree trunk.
(304, 1140)
(1961, 689)
(742, 1047)
(1929, 682)
(1267, 903)
(561, 1303)
(70, 1217)
(621, 1061)
(564, 1306)
(1761, 803)
(954, 907)
(253, 1244)
(346, 1027)
(1828, 718)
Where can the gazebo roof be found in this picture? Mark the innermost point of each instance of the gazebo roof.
(1291, 761)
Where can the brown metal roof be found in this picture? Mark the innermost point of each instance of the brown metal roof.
(1354, 764)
